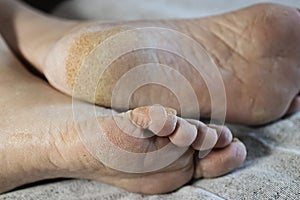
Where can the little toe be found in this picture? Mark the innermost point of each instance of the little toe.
(221, 161)
(295, 106)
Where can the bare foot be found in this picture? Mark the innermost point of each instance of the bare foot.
(216, 153)
(255, 49)
(42, 138)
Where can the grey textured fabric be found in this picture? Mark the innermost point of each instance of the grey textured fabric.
(272, 168)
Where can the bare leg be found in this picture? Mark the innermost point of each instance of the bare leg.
(246, 45)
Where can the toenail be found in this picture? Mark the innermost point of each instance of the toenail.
(171, 111)
(158, 118)
(169, 126)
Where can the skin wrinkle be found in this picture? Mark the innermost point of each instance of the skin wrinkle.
(227, 60)
(53, 163)
(250, 29)
(243, 38)
(252, 98)
(33, 141)
(47, 138)
(239, 33)
(58, 156)
(59, 139)
(216, 60)
(222, 32)
(134, 145)
(255, 106)
(89, 164)
(219, 37)
(233, 49)
(220, 23)
(223, 66)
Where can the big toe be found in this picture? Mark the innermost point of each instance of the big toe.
(221, 161)
(163, 122)
(158, 119)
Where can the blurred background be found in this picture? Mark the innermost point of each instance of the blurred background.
(143, 9)
(44, 5)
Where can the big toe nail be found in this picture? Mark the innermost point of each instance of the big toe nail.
(163, 121)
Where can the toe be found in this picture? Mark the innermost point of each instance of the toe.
(221, 161)
(164, 120)
(224, 136)
(295, 106)
(184, 134)
(206, 138)
(161, 121)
